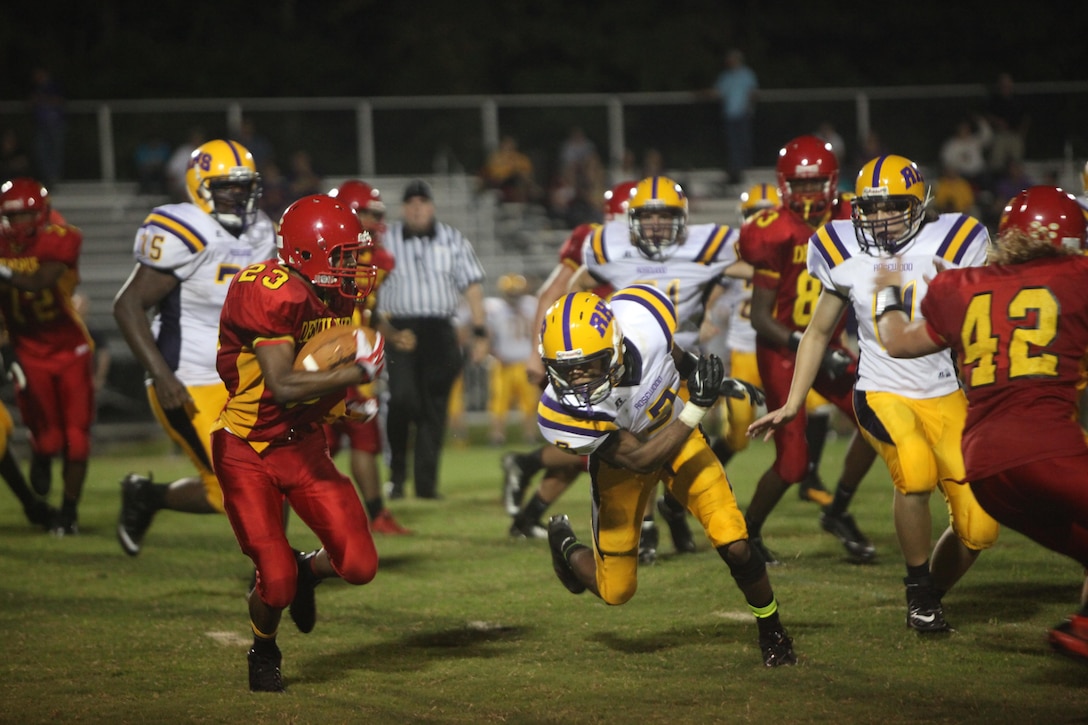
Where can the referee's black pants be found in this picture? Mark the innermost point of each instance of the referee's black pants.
(419, 392)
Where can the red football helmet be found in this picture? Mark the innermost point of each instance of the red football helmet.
(617, 198)
(360, 195)
(366, 202)
(808, 177)
(321, 239)
(1046, 213)
(24, 207)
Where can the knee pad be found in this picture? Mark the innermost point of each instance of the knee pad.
(744, 573)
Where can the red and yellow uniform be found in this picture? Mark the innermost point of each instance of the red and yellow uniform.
(775, 242)
(51, 343)
(264, 451)
(1020, 333)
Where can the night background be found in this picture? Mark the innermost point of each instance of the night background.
(123, 49)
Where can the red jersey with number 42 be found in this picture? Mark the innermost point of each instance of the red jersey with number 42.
(1020, 332)
(266, 305)
(775, 242)
(43, 324)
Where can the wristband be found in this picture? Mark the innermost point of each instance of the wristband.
(692, 415)
(887, 300)
(479, 331)
(6, 272)
(794, 341)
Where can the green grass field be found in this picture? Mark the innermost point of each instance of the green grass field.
(464, 625)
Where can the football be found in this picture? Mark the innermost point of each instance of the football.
(331, 348)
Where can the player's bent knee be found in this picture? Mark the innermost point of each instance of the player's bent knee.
(359, 571)
(617, 579)
(50, 443)
(79, 445)
(744, 562)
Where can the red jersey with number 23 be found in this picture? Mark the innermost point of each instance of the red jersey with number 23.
(267, 305)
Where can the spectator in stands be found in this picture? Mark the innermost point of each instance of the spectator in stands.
(277, 194)
(736, 88)
(1007, 185)
(510, 172)
(47, 107)
(14, 160)
(303, 180)
(1008, 115)
(257, 143)
(151, 157)
(954, 193)
(965, 151)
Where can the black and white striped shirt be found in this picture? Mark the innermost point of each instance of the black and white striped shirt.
(430, 273)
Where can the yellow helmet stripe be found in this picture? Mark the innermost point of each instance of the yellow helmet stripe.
(958, 238)
(596, 245)
(827, 243)
(552, 415)
(713, 246)
(653, 300)
(187, 234)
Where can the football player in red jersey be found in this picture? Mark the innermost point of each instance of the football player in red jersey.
(1019, 328)
(560, 467)
(269, 444)
(775, 242)
(364, 435)
(39, 271)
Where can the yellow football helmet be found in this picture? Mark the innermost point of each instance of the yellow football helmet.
(582, 349)
(658, 196)
(890, 203)
(222, 180)
(757, 198)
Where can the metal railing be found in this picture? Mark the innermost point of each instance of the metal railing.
(427, 134)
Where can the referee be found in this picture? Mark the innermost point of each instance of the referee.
(435, 267)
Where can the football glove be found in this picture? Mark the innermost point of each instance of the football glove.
(741, 390)
(370, 356)
(705, 380)
(835, 363)
(13, 371)
(363, 410)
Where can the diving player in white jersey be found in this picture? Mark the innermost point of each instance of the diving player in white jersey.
(911, 411)
(186, 256)
(613, 378)
(655, 246)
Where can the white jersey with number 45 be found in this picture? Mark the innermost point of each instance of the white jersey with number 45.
(184, 241)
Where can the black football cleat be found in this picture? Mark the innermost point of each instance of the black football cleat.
(514, 483)
(136, 512)
(845, 529)
(777, 649)
(522, 528)
(264, 672)
(562, 541)
(303, 608)
(679, 530)
(925, 614)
